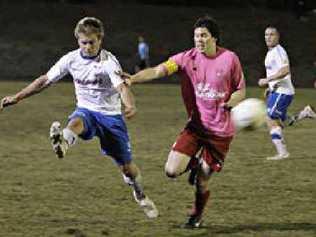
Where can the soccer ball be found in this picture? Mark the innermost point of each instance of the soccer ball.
(249, 114)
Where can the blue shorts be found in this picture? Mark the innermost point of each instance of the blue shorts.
(111, 131)
(277, 105)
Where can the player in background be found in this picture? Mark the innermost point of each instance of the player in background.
(99, 93)
(307, 112)
(212, 82)
(281, 90)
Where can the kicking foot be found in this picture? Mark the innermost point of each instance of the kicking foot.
(279, 157)
(147, 205)
(56, 137)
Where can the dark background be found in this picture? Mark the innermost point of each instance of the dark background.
(34, 34)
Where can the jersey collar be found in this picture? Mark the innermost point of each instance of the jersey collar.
(90, 57)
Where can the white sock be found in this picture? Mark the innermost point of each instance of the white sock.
(136, 184)
(70, 136)
(278, 141)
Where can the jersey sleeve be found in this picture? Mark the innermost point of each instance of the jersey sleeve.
(281, 57)
(174, 63)
(59, 70)
(113, 66)
(238, 79)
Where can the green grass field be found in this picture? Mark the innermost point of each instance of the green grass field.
(84, 194)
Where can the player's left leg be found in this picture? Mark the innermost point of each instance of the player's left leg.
(132, 177)
(202, 195)
(182, 157)
(213, 155)
(114, 140)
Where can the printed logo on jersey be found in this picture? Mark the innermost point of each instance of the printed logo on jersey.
(219, 73)
(205, 91)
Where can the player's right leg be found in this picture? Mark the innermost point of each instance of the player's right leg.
(277, 105)
(176, 164)
(61, 139)
(80, 123)
(182, 156)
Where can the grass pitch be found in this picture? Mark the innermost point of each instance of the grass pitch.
(84, 194)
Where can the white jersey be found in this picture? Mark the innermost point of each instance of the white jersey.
(277, 58)
(94, 81)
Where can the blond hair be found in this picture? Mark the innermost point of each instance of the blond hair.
(89, 25)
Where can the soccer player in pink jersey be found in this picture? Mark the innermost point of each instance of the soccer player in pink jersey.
(212, 83)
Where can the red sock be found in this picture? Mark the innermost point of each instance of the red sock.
(199, 203)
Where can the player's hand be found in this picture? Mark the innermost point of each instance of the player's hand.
(7, 101)
(125, 76)
(263, 82)
(130, 112)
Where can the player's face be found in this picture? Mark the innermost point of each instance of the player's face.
(89, 44)
(271, 37)
(204, 41)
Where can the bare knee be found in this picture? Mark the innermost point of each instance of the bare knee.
(176, 164)
(76, 125)
(171, 172)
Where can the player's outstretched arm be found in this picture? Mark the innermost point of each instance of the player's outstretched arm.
(33, 88)
(127, 100)
(147, 74)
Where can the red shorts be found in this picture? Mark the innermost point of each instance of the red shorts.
(214, 148)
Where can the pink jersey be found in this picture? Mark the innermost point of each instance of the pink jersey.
(208, 82)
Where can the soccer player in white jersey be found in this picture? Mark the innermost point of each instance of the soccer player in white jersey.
(99, 92)
(281, 90)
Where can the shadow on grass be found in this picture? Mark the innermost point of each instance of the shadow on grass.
(260, 227)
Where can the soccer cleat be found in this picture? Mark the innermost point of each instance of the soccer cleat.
(56, 137)
(193, 222)
(147, 205)
(279, 156)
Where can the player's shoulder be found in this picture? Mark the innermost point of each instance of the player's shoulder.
(108, 59)
(72, 55)
(279, 49)
(107, 56)
(228, 54)
(185, 55)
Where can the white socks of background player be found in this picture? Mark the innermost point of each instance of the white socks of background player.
(278, 141)
(70, 137)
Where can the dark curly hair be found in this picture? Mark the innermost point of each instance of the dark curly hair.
(210, 24)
